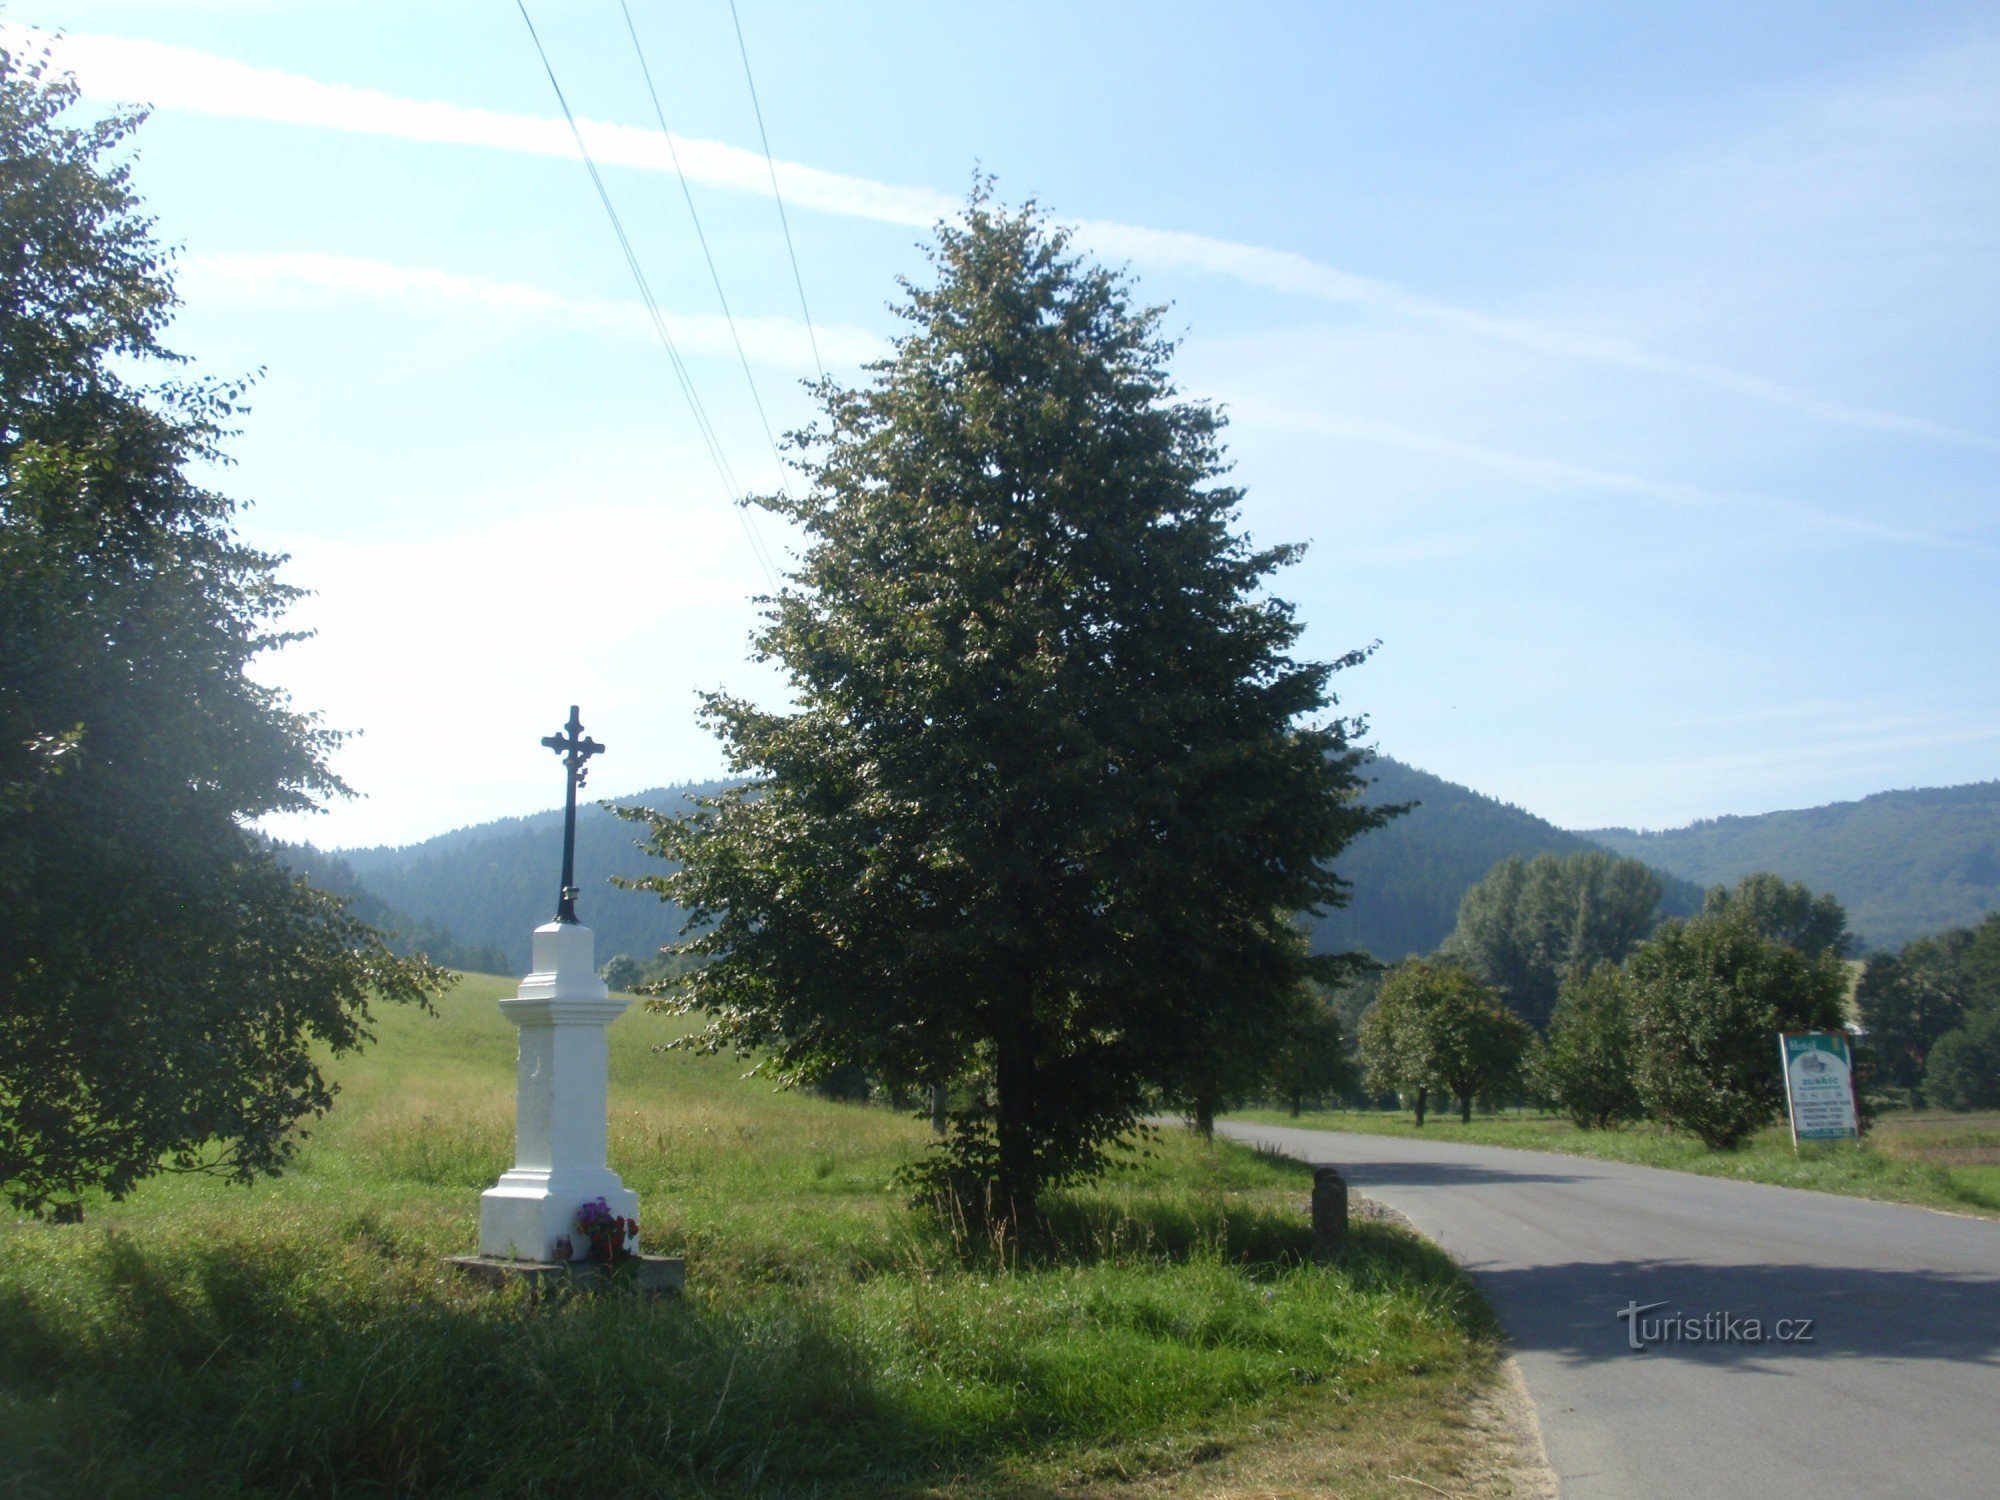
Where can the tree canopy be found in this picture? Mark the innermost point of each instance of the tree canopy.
(1935, 990)
(1786, 910)
(1055, 789)
(1584, 1065)
(165, 983)
(1529, 923)
(1709, 998)
(1436, 1026)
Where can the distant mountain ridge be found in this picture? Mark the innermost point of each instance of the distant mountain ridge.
(1409, 875)
(488, 886)
(494, 883)
(1903, 863)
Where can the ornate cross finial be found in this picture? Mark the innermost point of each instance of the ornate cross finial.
(575, 750)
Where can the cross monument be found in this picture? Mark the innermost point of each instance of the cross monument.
(560, 1111)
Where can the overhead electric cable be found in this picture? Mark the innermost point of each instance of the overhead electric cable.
(714, 275)
(731, 488)
(772, 167)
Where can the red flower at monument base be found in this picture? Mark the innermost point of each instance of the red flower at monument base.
(611, 1236)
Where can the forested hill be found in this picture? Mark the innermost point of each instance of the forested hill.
(1902, 863)
(493, 884)
(1408, 876)
(487, 887)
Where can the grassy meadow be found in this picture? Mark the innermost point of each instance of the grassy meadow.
(303, 1337)
(1936, 1159)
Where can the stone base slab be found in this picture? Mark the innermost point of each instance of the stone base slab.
(648, 1275)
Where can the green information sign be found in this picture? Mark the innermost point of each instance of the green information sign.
(1819, 1086)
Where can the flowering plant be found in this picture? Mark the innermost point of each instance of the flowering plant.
(610, 1235)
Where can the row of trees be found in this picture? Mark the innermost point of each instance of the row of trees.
(1676, 1026)
(1933, 1016)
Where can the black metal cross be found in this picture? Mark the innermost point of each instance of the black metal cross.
(575, 750)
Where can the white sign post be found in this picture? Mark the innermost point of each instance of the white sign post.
(1819, 1086)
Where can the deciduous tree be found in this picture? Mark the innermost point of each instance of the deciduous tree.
(167, 988)
(1964, 1067)
(1436, 1026)
(1786, 910)
(1710, 997)
(1529, 923)
(1586, 1063)
(1312, 1060)
(1055, 786)
(1908, 1000)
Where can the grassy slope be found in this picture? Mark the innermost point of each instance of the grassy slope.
(1938, 1161)
(301, 1336)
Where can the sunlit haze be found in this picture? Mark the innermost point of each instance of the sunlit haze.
(1632, 372)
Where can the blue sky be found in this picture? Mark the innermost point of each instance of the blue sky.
(1631, 371)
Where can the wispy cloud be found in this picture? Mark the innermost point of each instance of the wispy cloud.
(1556, 472)
(169, 77)
(296, 277)
(181, 78)
(1284, 271)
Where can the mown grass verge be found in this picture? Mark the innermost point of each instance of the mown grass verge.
(303, 1337)
(1936, 1160)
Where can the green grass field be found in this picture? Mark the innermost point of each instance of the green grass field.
(1935, 1159)
(304, 1337)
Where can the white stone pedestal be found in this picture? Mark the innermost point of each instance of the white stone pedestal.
(560, 1118)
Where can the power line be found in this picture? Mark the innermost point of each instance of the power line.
(731, 489)
(772, 167)
(714, 275)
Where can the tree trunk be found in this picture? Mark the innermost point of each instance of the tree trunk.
(939, 1100)
(1465, 1107)
(1298, 1099)
(1204, 1119)
(1423, 1103)
(1015, 1101)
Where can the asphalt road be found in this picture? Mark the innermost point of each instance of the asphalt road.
(1897, 1392)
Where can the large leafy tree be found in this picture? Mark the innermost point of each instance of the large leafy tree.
(1054, 788)
(1530, 923)
(1709, 998)
(165, 984)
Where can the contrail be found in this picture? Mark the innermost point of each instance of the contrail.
(118, 68)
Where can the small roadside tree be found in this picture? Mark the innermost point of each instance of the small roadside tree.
(1585, 1064)
(1786, 911)
(168, 989)
(1709, 999)
(1311, 1060)
(1390, 1046)
(622, 972)
(1055, 786)
(1475, 1043)
(1436, 1026)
